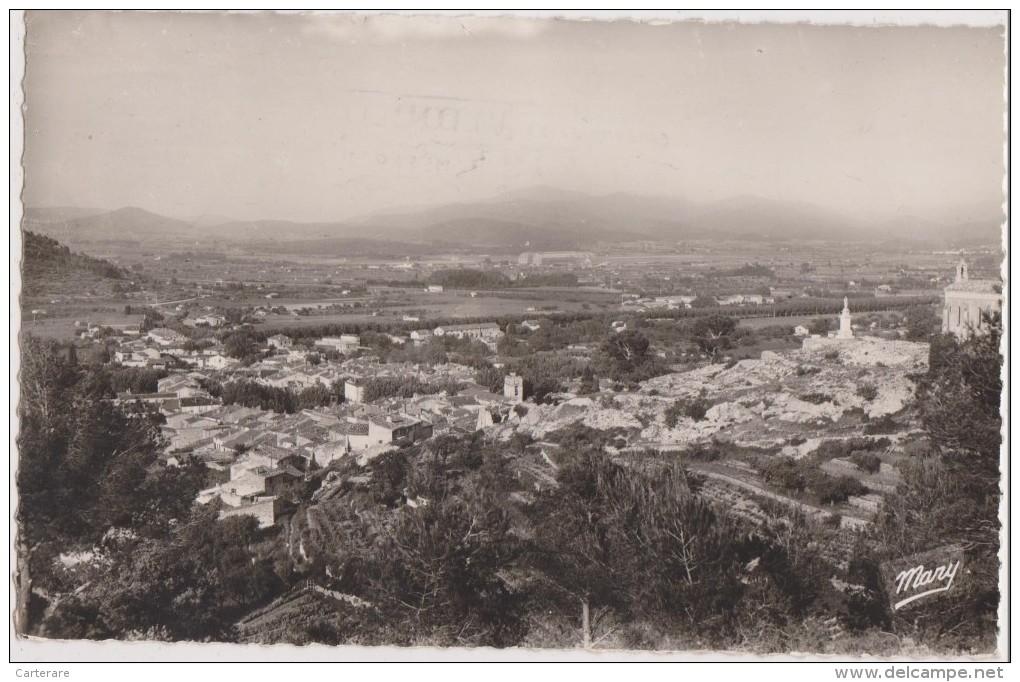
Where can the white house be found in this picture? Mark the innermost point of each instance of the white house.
(211, 320)
(420, 335)
(166, 337)
(217, 361)
(354, 391)
(397, 428)
(280, 341)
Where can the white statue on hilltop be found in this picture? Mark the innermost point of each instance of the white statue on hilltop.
(846, 331)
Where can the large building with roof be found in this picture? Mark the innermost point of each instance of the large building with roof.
(486, 331)
(966, 300)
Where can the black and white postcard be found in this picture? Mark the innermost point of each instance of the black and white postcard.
(523, 334)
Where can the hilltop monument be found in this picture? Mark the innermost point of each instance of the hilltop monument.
(846, 330)
(844, 333)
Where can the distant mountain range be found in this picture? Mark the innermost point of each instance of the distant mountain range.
(539, 218)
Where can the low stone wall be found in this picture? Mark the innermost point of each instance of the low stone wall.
(264, 510)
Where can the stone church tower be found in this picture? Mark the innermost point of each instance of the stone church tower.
(966, 300)
(513, 387)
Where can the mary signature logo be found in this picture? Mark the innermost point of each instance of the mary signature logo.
(922, 575)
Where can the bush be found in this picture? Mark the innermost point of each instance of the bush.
(867, 391)
(135, 379)
(866, 461)
(252, 394)
(378, 388)
(799, 476)
(704, 452)
(836, 489)
(692, 408)
(884, 424)
(820, 325)
(816, 398)
(844, 447)
(786, 473)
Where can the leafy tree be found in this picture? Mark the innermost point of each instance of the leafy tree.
(136, 379)
(491, 378)
(151, 319)
(589, 382)
(378, 388)
(692, 408)
(254, 394)
(243, 344)
(620, 545)
(712, 334)
(577, 547)
(820, 326)
(314, 396)
(188, 585)
(866, 461)
(85, 467)
(921, 323)
(194, 344)
(786, 473)
(542, 389)
(961, 396)
(628, 348)
(437, 574)
(836, 489)
(624, 356)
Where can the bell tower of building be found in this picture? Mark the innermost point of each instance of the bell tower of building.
(961, 271)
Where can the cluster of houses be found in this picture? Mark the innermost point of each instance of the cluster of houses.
(745, 299)
(635, 303)
(164, 348)
(258, 453)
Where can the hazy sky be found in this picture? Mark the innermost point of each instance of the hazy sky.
(324, 118)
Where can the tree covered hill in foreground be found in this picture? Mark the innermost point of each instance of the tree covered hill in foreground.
(48, 267)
